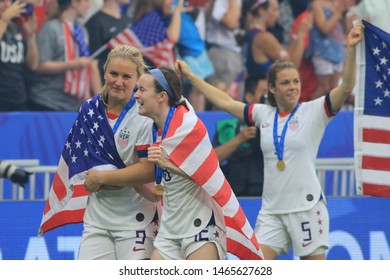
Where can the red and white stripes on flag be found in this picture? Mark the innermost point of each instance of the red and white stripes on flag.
(188, 145)
(77, 82)
(372, 113)
(65, 203)
(84, 150)
(161, 53)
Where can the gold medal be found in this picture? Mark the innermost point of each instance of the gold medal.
(280, 165)
(159, 189)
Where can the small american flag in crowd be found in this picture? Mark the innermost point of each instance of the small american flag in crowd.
(149, 35)
(188, 146)
(372, 113)
(90, 145)
(77, 82)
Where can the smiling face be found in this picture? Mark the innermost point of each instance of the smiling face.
(287, 89)
(148, 99)
(120, 78)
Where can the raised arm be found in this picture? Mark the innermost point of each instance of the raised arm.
(216, 96)
(326, 25)
(231, 19)
(173, 29)
(339, 94)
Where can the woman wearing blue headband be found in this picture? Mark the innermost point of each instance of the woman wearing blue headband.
(188, 176)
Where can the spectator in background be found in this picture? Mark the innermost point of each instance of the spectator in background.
(326, 46)
(201, 15)
(66, 76)
(151, 13)
(263, 48)
(94, 7)
(103, 26)
(220, 85)
(44, 10)
(18, 48)
(305, 68)
(237, 145)
(374, 11)
(289, 10)
(223, 48)
(192, 49)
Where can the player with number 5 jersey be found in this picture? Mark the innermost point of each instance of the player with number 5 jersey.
(293, 211)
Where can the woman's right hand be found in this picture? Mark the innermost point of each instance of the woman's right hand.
(247, 132)
(182, 68)
(13, 11)
(81, 62)
(306, 24)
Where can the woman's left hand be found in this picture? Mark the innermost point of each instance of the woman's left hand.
(92, 183)
(29, 25)
(156, 155)
(355, 35)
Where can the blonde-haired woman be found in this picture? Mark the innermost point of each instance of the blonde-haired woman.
(119, 223)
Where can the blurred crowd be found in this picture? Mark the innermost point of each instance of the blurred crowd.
(52, 51)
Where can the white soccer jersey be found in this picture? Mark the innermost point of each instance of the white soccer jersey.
(297, 187)
(187, 208)
(124, 208)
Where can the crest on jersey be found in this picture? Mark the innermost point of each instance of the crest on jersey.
(123, 138)
(293, 124)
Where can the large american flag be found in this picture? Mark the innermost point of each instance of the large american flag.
(372, 113)
(89, 145)
(188, 145)
(149, 35)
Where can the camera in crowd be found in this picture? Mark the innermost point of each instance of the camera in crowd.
(12, 172)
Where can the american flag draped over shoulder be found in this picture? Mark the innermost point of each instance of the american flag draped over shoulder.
(188, 146)
(77, 82)
(372, 113)
(149, 35)
(90, 145)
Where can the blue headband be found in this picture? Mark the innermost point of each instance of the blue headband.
(159, 77)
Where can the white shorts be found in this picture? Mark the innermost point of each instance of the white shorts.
(306, 231)
(180, 249)
(325, 67)
(102, 244)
